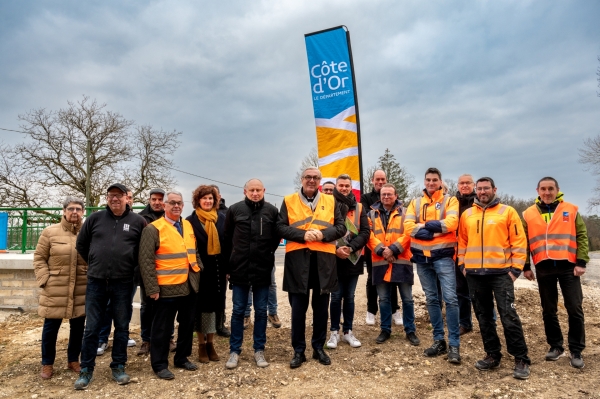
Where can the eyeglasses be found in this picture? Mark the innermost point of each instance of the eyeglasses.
(72, 209)
(119, 196)
(387, 195)
(315, 178)
(465, 183)
(175, 203)
(483, 188)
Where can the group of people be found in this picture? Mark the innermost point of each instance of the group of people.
(468, 250)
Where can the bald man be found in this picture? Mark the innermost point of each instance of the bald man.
(250, 242)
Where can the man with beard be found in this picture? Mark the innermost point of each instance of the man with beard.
(491, 254)
(347, 270)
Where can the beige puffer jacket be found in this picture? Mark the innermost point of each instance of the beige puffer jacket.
(60, 272)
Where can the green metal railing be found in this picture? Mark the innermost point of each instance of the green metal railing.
(25, 225)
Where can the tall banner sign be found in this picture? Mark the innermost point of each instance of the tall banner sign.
(335, 105)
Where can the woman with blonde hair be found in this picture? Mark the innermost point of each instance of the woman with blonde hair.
(208, 226)
(61, 274)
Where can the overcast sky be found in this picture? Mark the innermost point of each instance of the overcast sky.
(500, 88)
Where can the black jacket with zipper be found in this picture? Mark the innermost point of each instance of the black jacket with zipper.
(251, 239)
(110, 244)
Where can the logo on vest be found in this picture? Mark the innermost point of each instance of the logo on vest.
(565, 216)
(125, 227)
(438, 206)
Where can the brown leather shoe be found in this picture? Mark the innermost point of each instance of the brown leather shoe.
(212, 354)
(275, 322)
(462, 330)
(74, 366)
(202, 355)
(47, 371)
(144, 349)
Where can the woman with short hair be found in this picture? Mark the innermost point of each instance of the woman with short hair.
(61, 273)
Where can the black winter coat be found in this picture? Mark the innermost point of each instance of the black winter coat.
(367, 200)
(297, 263)
(250, 242)
(213, 285)
(150, 215)
(110, 244)
(344, 266)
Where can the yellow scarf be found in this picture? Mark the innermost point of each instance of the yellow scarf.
(208, 219)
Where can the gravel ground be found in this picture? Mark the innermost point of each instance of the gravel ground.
(392, 370)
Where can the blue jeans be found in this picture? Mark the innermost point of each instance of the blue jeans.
(346, 289)
(272, 303)
(108, 320)
(240, 301)
(98, 293)
(384, 291)
(429, 273)
(50, 333)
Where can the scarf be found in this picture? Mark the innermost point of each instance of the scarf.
(208, 219)
(345, 202)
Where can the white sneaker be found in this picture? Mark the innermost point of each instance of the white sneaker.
(397, 318)
(333, 340)
(351, 339)
(102, 347)
(130, 342)
(233, 360)
(260, 359)
(370, 319)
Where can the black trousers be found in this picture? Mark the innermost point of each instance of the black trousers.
(162, 325)
(483, 290)
(320, 308)
(570, 286)
(464, 300)
(372, 303)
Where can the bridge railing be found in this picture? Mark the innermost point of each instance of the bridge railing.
(25, 225)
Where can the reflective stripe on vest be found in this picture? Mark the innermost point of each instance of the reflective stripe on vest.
(554, 240)
(301, 216)
(175, 254)
(441, 242)
(388, 237)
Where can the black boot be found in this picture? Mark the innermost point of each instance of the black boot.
(220, 321)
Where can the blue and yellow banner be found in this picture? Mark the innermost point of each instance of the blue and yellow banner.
(334, 103)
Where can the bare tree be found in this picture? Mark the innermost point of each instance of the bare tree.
(452, 186)
(368, 178)
(311, 160)
(589, 155)
(56, 161)
(151, 149)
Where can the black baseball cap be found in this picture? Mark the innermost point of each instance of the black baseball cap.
(118, 186)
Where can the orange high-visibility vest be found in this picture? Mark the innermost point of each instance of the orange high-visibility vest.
(491, 238)
(394, 234)
(437, 207)
(301, 216)
(176, 254)
(554, 240)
